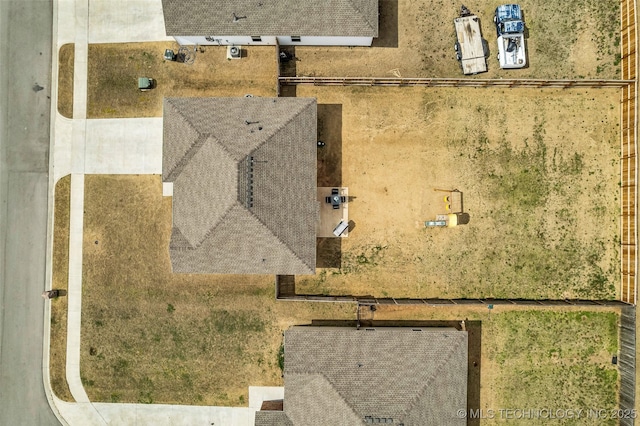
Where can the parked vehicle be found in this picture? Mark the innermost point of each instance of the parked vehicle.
(511, 44)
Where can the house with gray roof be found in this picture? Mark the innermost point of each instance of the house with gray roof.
(399, 376)
(265, 22)
(242, 174)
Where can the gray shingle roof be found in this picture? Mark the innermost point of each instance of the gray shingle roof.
(351, 18)
(244, 195)
(344, 376)
(272, 418)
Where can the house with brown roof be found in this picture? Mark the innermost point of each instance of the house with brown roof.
(391, 375)
(242, 174)
(287, 22)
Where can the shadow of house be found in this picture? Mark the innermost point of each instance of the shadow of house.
(329, 253)
(388, 24)
(243, 176)
(329, 250)
(330, 155)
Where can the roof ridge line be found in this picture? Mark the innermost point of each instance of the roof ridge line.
(351, 2)
(341, 396)
(276, 237)
(210, 231)
(320, 374)
(444, 360)
(285, 124)
(186, 158)
(182, 162)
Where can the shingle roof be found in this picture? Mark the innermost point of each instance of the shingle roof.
(351, 18)
(272, 418)
(244, 184)
(349, 376)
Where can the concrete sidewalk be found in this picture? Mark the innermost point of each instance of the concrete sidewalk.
(116, 146)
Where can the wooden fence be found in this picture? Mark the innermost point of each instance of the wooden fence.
(627, 362)
(628, 158)
(287, 294)
(451, 82)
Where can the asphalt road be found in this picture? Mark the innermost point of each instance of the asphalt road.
(25, 73)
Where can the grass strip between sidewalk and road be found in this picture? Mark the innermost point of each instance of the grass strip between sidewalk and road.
(59, 306)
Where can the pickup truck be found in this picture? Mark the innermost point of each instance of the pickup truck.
(510, 28)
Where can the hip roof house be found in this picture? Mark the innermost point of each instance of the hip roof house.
(399, 376)
(243, 172)
(289, 22)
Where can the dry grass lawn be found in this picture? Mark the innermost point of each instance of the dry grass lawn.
(568, 39)
(58, 343)
(66, 57)
(113, 71)
(538, 170)
(152, 336)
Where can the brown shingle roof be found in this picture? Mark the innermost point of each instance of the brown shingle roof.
(349, 376)
(350, 18)
(244, 184)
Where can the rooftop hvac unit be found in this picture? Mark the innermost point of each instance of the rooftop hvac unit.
(234, 52)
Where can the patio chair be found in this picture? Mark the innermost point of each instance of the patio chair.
(327, 200)
(343, 199)
(334, 191)
(336, 206)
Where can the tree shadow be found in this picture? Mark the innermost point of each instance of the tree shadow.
(387, 24)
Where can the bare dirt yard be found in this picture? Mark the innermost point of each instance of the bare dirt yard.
(113, 71)
(567, 39)
(154, 337)
(540, 180)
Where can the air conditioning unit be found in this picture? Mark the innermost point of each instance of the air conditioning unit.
(234, 52)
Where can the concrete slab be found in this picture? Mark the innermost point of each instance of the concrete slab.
(61, 155)
(330, 217)
(80, 60)
(258, 394)
(75, 413)
(123, 146)
(167, 189)
(125, 21)
(65, 13)
(160, 414)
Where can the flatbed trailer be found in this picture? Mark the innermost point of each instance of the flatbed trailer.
(469, 46)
